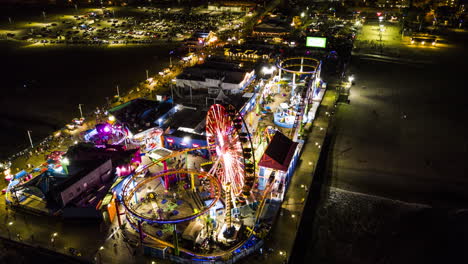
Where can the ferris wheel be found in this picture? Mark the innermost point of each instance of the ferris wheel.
(231, 149)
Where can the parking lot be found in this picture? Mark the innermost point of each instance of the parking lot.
(103, 26)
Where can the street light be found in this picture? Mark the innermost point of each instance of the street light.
(268, 70)
(186, 139)
(66, 162)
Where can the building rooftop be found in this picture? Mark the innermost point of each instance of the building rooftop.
(86, 152)
(192, 118)
(229, 72)
(140, 114)
(182, 134)
(279, 152)
(77, 170)
(277, 24)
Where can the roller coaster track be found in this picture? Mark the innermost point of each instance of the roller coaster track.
(158, 242)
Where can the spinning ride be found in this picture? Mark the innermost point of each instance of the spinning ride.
(131, 202)
(106, 133)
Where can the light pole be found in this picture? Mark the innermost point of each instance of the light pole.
(8, 229)
(81, 111)
(147, 75)
(30, 139)
(118, 93)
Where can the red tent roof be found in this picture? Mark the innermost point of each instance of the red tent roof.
(279, 153)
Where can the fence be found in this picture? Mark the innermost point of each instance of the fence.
(234, 257)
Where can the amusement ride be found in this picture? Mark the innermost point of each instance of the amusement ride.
(230, 178)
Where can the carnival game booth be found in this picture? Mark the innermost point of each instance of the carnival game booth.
(277, 165)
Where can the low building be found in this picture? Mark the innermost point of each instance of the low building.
(272, 26)
(277, 164)
(231, 6)
(84, 178)
(247, 52)
(141, 114)
(189, 119)
(119, 156)
(229, 76)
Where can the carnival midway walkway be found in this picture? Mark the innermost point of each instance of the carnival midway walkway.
(280, 242)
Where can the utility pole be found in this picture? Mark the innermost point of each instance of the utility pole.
(191, 100)
(30, 139)
(118, 92)
(81, 111)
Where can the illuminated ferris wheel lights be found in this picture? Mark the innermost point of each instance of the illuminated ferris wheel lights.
(222, 129)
